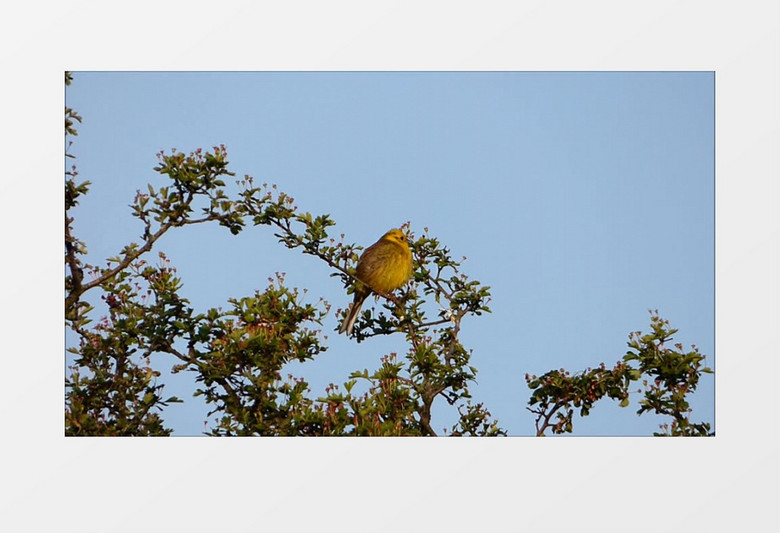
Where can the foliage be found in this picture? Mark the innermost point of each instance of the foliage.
(672, 374)
(239, 356)
(668, 376)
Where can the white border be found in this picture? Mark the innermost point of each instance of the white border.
(727, 483)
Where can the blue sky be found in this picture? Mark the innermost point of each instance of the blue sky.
(582, 199)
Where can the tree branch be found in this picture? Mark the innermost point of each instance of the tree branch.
(79, 289)
(76, 272)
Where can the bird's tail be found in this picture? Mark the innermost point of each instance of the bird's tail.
(349, 320)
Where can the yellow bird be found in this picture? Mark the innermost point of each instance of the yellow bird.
(383, 267)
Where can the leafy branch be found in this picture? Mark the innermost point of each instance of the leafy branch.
(668, 377)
